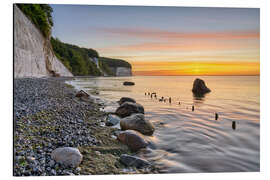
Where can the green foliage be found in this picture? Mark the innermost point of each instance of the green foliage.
(105, 68)
(76, 59)
(115, 62)
(40, 15)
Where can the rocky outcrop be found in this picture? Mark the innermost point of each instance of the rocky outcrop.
(134, 140)
(33, 54)
(199, 87)
(67, 156)
(137, 122)
(129, 108)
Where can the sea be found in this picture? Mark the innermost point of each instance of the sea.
(187, 141)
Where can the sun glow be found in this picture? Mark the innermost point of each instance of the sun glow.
(196, 68)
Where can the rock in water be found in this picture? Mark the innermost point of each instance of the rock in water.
(129, 108)
(112, 120)
(199, 87)
(128, 83)
(133, 161)
(137, 122)
(126, 99)
(67, 156)
(134, 140)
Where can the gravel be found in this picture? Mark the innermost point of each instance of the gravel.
(47, 115)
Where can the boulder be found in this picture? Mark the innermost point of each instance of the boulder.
(137, 122)
(126, 99)
(129, 108)
(133, 161)
(134, 140)
(82, 93)
(112, 120)
(199, 87)
(128, 83)
(67, 156)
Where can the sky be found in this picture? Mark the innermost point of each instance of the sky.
(166, 40)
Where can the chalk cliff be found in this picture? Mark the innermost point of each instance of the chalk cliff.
(33, 54)
(123, 71)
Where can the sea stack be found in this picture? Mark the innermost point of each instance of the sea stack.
(199, 87)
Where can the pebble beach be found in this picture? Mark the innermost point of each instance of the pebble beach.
(47, 115)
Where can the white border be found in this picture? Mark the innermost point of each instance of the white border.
(6, 82)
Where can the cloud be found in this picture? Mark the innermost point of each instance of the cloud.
(191, 45)
(161, 40)
(162, 34)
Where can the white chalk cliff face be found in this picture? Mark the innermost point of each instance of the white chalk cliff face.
(33, 54)
(123, 71)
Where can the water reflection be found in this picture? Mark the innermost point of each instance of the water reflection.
(198, 99)
(193, 141)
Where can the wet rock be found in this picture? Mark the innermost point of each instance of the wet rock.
(134, 140)
(67, 156)
(216, 116)
(112, 120)
(133, 161)
(199, 87)
(128, 83)
(129, 108)
(137, 122)
(126, 99)
(82, 93)
(233, 125)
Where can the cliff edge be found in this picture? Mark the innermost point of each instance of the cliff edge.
(33, 54)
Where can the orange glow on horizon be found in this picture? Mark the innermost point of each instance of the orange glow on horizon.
(195, 68)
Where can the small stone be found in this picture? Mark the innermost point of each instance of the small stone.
(80, 120)
(18, 158)
(53, 172)
(112, 120)
(68, 156)
(133, 161)
(30, 159)
(98, 153)
(78, 169)
(51, 163)
(113, 136)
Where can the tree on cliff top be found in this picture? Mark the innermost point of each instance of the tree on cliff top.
(75, 58)
(40, 15)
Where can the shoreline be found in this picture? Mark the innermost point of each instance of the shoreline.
(47, 115)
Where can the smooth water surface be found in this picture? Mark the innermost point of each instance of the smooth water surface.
(186, 141)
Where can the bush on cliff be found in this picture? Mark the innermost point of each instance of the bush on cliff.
(76, 59)
(40, 15)
(115, 62)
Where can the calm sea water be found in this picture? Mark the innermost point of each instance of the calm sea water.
(186, 141)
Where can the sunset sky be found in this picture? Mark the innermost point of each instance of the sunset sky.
(166, 40)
